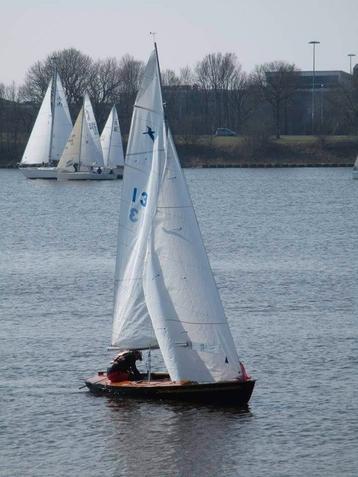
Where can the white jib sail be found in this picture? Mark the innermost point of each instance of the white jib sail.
(111, 141)
(37, 150)
(132, 327)
(180, 290)
(71, 153)
(62, 123)
(91, 150)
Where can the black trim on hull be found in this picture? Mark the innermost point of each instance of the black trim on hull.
(233, 392)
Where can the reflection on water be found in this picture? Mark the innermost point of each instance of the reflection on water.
(175, 439)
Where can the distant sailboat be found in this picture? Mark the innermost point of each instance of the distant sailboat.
(49, 134)
(112, 147)
(165, 292)
(82, 158)
(355, 169)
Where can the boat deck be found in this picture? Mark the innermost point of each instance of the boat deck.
(157, 379)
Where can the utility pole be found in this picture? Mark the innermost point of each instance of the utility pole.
(313, 43)
(350, 61)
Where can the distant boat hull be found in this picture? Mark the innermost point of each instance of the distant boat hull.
(160, 387)
(118, 172)
(39, 172)
(355, 174)
(86, 176)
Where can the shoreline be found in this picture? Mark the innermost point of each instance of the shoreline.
(209, 152)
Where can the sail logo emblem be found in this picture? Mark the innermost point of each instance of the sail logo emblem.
(150, 133)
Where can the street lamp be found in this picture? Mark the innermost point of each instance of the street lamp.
(350, 61)
(313, 43)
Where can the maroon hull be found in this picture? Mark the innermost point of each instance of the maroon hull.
(160, 387)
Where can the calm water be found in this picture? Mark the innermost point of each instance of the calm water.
(283, 246)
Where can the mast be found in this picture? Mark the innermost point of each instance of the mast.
(110, 137)
(79, 154)
(53, 107)
(160, 78)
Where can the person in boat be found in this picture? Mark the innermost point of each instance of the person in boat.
(75, 166)
(99, 171)
(124, 367)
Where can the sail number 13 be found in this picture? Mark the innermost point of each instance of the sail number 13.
(137, 197)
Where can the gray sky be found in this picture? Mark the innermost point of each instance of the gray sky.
(257, 31)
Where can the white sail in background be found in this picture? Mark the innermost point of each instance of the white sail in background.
(132, 326)
(72, 151)
(111, 141)
(180, 291)
(62, 123)
(355, 167)
(83, 147)
(37, 150)
(91, 150)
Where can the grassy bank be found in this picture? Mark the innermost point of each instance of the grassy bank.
(205, 151)
(243, 151)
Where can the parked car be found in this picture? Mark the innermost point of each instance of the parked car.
(225, 132)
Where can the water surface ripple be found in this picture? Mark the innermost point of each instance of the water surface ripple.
(283, 247)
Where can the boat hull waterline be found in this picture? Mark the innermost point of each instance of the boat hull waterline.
(86, 176)
(226, 392)
(39, 172)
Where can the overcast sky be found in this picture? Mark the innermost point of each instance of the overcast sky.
(258, 31)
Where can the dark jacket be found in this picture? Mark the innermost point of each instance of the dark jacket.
(127, 364)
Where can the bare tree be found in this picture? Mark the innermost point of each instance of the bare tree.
(216, 75)
(277, 82)
(130, 74)
(76, 71)
(169, 78)
(105, 86)
(341, 106)
(186, 76)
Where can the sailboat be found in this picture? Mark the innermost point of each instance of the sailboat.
(112, 147)
(49, 134)
(82, 158)
(355, 169)
(165, 292)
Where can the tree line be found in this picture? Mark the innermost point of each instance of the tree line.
(213, 93)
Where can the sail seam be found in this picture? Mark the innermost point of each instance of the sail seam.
(147, 109)
(176, 207)
(143, 152)
(197, 322)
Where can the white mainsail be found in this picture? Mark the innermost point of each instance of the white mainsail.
(164, 283)
(62, 123)
(83, 147)
(37, 150)
(111, 141)
(132, 327)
